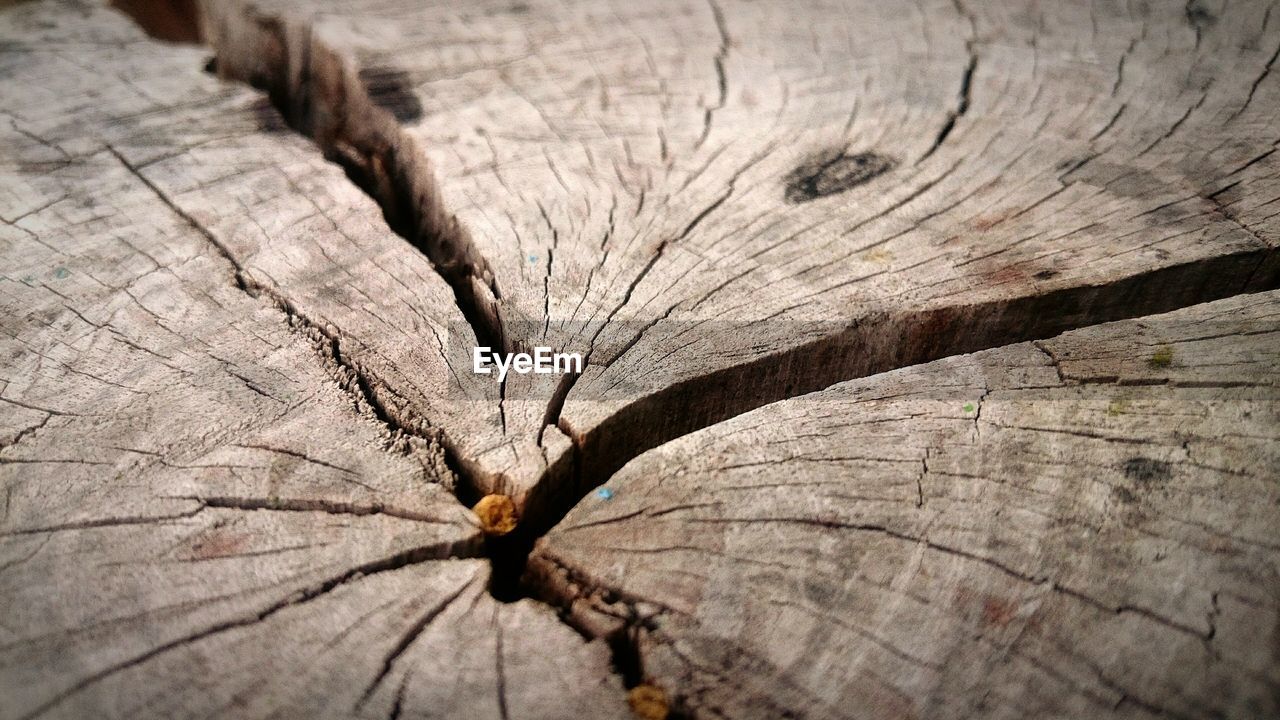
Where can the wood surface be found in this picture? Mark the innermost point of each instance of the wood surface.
(205, 509)
(724, 205)
(1079, 527)
(241, 282)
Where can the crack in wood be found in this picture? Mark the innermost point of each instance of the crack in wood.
(722, 81)
(966, 83)
(384, 159)
(399, 560)
(382, 162)
(331, 507)
(416, 629)
(369, 393)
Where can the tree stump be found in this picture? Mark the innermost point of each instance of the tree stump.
(930, 359)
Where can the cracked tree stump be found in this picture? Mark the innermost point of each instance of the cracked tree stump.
(725, 204)
(204, 510)
(241, 432)
(1080, 527)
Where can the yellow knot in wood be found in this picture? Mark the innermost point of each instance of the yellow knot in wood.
(497, 514)
(648, 702)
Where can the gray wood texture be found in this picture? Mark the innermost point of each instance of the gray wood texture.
(723, 204)
(819, 257)
(205, 512)
(1079, 527)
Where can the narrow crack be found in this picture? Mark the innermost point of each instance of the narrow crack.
(408, 557)
(1253, 89)
(331, 507)
(389, 661)
(722, 81)
(966, 82)
(106, 522)
(962, 107)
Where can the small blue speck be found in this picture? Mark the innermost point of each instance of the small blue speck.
(61, 273)
(604, 493)
(533, 258)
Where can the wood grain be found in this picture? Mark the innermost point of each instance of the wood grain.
(726, 204)
(207, 510)
(1078, 527)
(241, 285)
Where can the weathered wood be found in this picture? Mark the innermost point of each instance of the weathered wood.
(726, 203)
(207, 508)
(424, 640)
(1077, 527)
(294, 228)
(239, 412)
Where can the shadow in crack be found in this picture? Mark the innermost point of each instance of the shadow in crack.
(169, 20)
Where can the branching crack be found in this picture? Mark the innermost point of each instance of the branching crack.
(1053, 360)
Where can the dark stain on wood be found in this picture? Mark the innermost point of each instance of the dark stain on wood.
(834, 172)
(41, 167)
(986, 222)
(1002, 274)
(997, 612)
(1146, 472)
(390, 89)
(819, 592)
(1125, 495)
(518, 9)
(218, 543)
(1199, 17)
